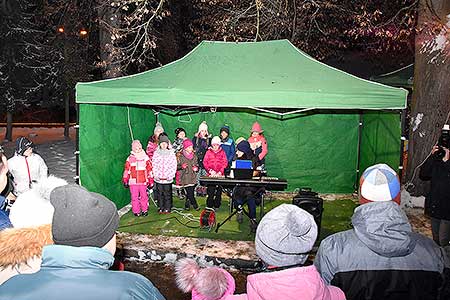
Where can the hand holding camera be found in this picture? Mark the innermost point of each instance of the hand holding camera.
(441, 150)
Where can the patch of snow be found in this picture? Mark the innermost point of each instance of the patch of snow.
(411, 201)
(170, 258)
(417, 120)
(141, 254)
(154, 256)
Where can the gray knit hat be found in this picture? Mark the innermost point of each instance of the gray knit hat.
(285, 236)
(82, 218)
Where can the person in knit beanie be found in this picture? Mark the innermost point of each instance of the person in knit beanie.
(201, 142)
(177, 146)
(215, 162)
(211, 283)
(187, 166)
(84, 228)
(153, 140)
(137, 176)
(381, 257)
(30, 218)
(164, 168)
(258, 142)
(283, 240)
(227, 144)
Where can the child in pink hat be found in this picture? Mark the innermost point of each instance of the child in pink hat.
(210, 283)
(137, 175)
(258, 142)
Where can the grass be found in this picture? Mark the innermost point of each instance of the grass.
(336, 217)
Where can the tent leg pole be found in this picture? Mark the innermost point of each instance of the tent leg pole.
(402, 142)
(358, 158)
(77, 146)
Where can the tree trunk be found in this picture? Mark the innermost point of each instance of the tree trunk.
(9, 126)
(431, 97)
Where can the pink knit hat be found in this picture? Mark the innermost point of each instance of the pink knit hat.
(135, 144)
(210, 283)
(187, 143)
(257, 128)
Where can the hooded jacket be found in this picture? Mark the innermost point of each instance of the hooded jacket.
(301, 283)
(31, 215)
(381, 258)
(17, 166)
(78, 273)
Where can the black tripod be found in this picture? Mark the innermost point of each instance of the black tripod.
(240, 207)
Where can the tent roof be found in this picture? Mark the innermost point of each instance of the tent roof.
(402, 77)
(270, 74)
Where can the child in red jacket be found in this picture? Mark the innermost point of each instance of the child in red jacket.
(137, 175)
(258, 142)
(215, 162)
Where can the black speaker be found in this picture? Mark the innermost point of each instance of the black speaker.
(308, 200)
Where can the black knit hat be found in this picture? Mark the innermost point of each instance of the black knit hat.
(225, 128)
(178, 130)
(22, 144)
(82, 218)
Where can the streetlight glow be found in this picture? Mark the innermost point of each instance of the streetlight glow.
(83, 32)
(61, 29)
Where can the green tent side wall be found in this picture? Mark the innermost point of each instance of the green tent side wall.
(104, 144)
(380, 140)
(317, 150)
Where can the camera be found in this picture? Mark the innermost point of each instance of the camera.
(444, 141)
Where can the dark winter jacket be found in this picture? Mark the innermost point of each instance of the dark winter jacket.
(229, 148)
(437, 204)
(187, 175)
(78, 273)
(381, 258)
(201, 145)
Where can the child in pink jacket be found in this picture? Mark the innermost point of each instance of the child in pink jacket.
(164, 167)
(258, 142)
(215, 162)
(137, 175)
(284, 237)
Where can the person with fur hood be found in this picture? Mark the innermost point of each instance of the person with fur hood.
(211, 283)
(26, 166)
(137, 175)
(31, 217)
(164, 168)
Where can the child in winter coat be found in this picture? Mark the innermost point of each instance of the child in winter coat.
(227, 144)
(215, 162)
(188, 168)
(26, 166)
(164, 167)
(137, 175)
(258, 142)
(201, 141)
(210, 283)
(177, 146)
(153, 140)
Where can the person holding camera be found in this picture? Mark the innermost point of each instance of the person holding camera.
(436, 169)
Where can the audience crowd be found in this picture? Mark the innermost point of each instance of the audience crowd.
(58, 240)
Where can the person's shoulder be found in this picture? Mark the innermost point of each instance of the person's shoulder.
(339, 239)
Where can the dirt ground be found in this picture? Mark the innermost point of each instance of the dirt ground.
(163, 277)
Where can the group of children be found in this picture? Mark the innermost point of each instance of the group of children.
(185, 161)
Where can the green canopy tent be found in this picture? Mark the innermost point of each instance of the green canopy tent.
(322, 125)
